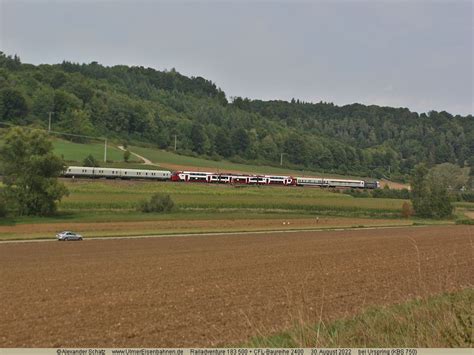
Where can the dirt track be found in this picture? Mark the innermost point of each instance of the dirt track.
(218, 290)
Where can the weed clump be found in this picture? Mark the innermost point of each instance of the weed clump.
(3, 206)
(158, 202)
(407, 210)
(466, 221)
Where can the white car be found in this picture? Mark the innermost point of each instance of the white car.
(67, 235)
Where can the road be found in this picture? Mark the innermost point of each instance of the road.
(145, 160)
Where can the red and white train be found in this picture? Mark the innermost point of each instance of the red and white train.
(225, 178)
(198, 176)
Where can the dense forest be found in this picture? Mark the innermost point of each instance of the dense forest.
(143, 105)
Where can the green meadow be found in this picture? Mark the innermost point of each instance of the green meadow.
(74, 153)
(164, 158)
(117, 200)
(124, 195)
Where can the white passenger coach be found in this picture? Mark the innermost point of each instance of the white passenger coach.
(116, 173)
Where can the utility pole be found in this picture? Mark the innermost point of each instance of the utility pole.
(281, 159)
(49, 122)
(105, 151)
(175, 138)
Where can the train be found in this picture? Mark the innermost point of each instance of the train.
(215, 178)
(115, 173)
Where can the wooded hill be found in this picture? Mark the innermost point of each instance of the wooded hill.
(144, 105)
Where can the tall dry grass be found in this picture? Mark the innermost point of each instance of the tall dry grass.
(427, 321)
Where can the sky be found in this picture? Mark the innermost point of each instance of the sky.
(416, 54)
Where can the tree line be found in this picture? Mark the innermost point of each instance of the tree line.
(30, 184)
(144, 105)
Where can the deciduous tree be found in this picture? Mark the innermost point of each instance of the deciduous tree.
(429, 196)
(126, 156)
(12, 104)
(31, 172)
(223, 144)
(198, 138)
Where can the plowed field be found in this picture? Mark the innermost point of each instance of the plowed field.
(216, 290)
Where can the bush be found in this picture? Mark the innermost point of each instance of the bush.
(126, 156)
(467, 196)
(465, 221)
(3, 206)
(237, 159)
(386, 192)
(158, 203)
(215, 157)
(407, 210)
(90, 161)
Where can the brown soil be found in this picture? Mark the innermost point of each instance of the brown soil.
(218, 290)
(48, 230)
(469, 214)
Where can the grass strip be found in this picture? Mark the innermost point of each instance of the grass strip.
(440, 321)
